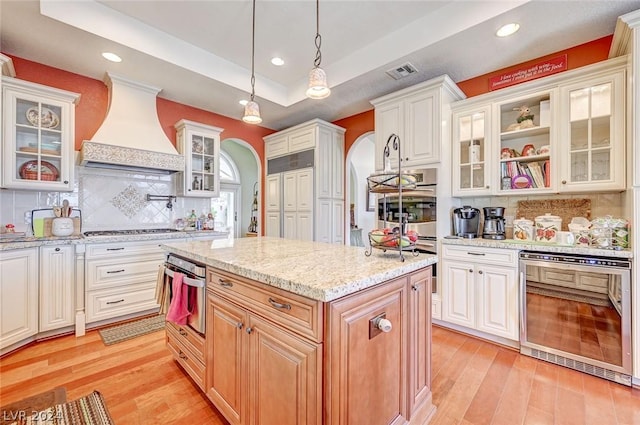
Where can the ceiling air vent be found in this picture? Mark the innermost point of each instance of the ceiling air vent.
(402, 71)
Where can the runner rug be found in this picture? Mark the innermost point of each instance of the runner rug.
(88, 410)
(118, 333)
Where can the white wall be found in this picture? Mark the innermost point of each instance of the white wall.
(362, 162)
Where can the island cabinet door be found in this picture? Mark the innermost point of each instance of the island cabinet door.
(420, 340)
(226, 358)
(285, 376)
(366, 368)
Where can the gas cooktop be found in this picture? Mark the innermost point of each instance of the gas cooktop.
(128, 232)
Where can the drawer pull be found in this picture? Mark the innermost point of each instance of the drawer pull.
(115, 302)
(225, 283)
(476, 253)
(182, 355)
(276, 304)
(115, 271)
(182, 332)
(115, 249)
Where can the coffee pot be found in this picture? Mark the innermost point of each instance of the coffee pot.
(466, 222)
(494, 225)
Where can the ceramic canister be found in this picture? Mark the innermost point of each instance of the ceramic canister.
(62, 226)
(547, 227)
(523, 229)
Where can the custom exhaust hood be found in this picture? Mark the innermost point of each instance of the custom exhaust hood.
(130, 137)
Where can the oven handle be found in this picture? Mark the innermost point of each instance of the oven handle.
(189, 281)
(522, 296)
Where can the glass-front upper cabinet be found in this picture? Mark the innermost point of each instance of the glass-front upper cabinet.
(526, 143)
(38, 136)
(200, 145)
(593, 127)
(471, 149)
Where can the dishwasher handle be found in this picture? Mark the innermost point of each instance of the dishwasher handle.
(197, 283)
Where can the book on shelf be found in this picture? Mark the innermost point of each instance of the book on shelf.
(539, 174)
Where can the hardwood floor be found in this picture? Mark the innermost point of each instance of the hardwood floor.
(474, 383)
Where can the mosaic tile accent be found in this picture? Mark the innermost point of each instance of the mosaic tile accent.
(129, 201)
(99, 152)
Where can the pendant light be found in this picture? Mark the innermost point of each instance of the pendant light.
(318, 88)
(251, 109)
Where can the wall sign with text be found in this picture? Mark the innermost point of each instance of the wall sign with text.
(531, 72)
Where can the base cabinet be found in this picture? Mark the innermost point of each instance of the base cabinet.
(57, 287)
(259, 372)
(272, 358)
(18, 296)
(479, 295)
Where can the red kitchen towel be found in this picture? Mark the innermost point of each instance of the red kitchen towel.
(178, 312)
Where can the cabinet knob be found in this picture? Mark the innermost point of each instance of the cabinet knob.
(239, 325)
(384, 325)
(66, 182)
(487, 187)
(249, 330)
(564, 182)
(479, 271)
(470, 270)
(415, 287)
(57, 249)
(188, 190)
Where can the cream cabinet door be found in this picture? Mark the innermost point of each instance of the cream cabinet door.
(290, 191)
(458, 293)
(273, 224)
(304, 226)
(389, 120)
(592, 116)
(18, 295)
(57, 284)
(471, 152)
(304, 189)
(422, 127)
(497, 301)
(289, 225)
(272, 194)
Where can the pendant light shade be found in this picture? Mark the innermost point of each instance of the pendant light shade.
(251, 109)
(252, 113)
(318, 87)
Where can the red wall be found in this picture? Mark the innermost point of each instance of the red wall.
(92, 108)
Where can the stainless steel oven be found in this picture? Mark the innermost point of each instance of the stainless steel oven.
(195, 279)
(576, 312)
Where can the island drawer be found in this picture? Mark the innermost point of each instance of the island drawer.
(187, 359)
(189, 338)
(498, 256)
(301, 315)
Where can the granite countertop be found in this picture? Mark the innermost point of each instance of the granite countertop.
(316, 270)
(537, 246)
(19, 242)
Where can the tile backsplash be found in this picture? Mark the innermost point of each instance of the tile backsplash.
(108, 199)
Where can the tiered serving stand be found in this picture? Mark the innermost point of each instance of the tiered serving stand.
(392, 182)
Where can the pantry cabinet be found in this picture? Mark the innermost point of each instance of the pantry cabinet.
(200, 145)
(480, 290)
(559, 134)
(416, 114)
(18, 296)
(38, 136)
(304, 189)
(57, 287)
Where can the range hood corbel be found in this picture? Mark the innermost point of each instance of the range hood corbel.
(131, 137)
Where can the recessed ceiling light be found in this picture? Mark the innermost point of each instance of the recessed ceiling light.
(243, 102)
(277, 61)
(111, 57)
(507, 30)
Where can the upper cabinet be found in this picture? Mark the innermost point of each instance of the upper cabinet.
(593, 133)
(38, 136)
(415, 114)
(200, 145)
(560, 134)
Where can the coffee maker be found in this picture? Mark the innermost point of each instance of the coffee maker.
(466, 222)
(493, 223)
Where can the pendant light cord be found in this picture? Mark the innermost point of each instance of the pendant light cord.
(253, 49)
(318, 39)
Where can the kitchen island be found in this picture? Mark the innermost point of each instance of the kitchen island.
(311, 333)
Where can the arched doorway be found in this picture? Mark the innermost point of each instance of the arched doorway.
(243, 160)
(360, 163)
